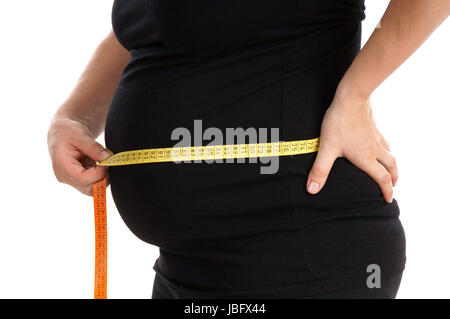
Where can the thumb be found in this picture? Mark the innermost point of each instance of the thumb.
(320, 170)
(91, 148)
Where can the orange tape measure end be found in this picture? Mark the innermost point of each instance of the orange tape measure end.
(101, 239)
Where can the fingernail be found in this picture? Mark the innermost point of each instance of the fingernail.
(313, 187)
(104, 155)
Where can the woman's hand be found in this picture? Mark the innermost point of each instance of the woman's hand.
(71, 140)
(348, 130)
(74, 153)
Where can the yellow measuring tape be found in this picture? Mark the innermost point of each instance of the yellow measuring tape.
(176, 154)
(193, 153)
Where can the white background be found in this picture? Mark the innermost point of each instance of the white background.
(46, 228)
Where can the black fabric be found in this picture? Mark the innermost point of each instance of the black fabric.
(164, 289)
(261, 64)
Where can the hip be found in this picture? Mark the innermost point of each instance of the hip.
(168, 203)
(319, 258)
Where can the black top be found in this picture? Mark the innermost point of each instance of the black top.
(243, 63)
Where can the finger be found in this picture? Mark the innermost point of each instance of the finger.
(320, 170)
(87, 190)
(382, 177)
(87, 162)
(90, 147)
(79, 175)
(390, 163)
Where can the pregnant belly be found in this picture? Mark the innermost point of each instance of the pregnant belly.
(167, 203)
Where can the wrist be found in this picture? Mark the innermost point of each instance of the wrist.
(352, 87)
(348, 100)
(90, 113)
(348, 91)
(62, 115)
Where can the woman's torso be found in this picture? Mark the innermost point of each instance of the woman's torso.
(232, 63)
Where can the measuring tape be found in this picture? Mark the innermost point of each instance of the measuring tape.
(195, 153)
(175, 154)
(101, 239)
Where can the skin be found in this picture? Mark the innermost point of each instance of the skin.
(81, 119)
(348, 128)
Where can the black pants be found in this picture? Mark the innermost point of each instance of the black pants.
(388, 290)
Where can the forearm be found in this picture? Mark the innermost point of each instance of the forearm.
(405, 25)
(90, 99)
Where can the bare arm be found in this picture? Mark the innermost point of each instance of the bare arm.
(90, 99)
(348, 129)
(81, 119)
(405, 25)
